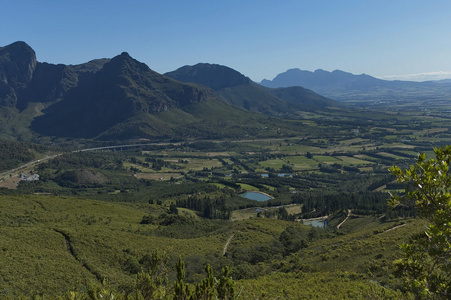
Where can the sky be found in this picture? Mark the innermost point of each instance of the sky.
(388, 39)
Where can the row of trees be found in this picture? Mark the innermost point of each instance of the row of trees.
(210, 208)
(320, 204)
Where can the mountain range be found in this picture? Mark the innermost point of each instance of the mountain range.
(238, 90)
(122, 98)
(343, 86)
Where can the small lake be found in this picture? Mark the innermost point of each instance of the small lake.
(255, 196)
(316, 223)
(285, 175)
(265, 175)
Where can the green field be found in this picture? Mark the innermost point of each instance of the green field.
(302, 163)
(346, 160)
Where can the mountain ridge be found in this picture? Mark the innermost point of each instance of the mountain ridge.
(238, 90)
(122, 89)
(118, 98)
(342, 86)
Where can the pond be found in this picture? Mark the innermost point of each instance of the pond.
(285, 175)
(265, 175)
(316, 223)
(255, 196)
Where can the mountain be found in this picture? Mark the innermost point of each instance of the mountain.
(48, 84)
(443, 81)
(23, 79)
(214, 76)
(321, 78)
(122, 89)
(118, 98)
(233, 87)
(344, 86)
(122, 98)
(240, 91)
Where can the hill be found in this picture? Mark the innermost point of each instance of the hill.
(90, 241)
(239, 90)
(345, 86)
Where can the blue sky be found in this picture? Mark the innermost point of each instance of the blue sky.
(393, 39)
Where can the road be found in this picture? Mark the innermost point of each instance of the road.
(28, 164)
(35, 162)
(41, 160)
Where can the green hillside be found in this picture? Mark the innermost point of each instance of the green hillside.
(54, 244)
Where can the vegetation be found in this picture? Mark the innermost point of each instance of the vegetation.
(16, 153)
(145, 200)
(426, 267)
(89, 242)
(183, 198)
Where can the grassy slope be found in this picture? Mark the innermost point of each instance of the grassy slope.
(209, 119)
(33, 252)
(256, 99)
(34, 255)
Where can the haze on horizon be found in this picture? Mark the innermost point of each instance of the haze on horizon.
(406, 40)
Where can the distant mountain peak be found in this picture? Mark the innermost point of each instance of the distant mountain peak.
(124, 56)
(20, 53)
(19, 45)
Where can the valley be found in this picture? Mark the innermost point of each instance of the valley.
(115, 180)
(116, 204)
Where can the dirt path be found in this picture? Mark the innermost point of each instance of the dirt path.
(227, 245)
(395, 227)
(70, 248)
(347, 217)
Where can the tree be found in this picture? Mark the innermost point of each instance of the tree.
(209, 288)
(426, 267)
(182, 290)
(173, 209)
